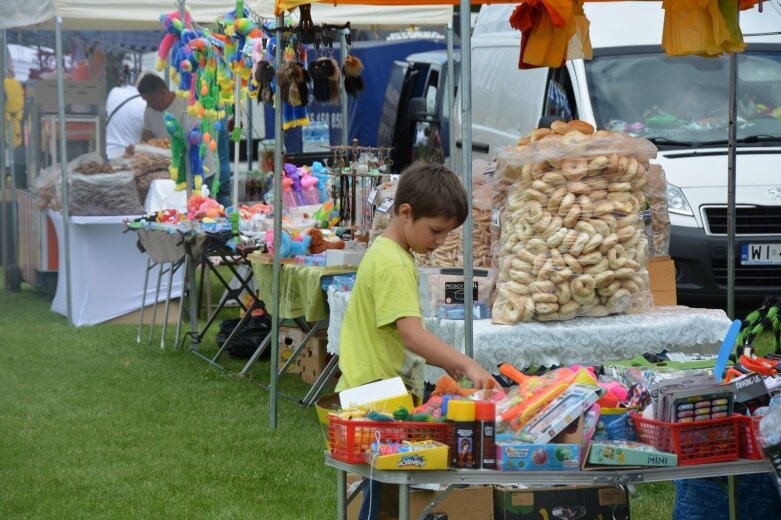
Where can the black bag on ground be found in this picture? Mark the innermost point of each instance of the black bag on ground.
(247, 339)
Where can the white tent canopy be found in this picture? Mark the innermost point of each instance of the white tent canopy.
(144, 14)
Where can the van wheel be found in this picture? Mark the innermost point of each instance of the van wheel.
(13, 278)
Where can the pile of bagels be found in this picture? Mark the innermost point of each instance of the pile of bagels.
(572, 240)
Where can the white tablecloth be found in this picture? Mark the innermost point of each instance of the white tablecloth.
(581, 340)
(107, 270)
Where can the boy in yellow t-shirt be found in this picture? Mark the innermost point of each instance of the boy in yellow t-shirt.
(382, 332)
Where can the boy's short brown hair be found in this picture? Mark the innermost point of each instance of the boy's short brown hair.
(432, 190)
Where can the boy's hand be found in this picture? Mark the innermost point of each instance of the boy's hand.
(479, 376)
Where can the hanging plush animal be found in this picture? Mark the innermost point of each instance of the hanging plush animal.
(297, 79)
(325, 80)
(353, 81)
(264, 76)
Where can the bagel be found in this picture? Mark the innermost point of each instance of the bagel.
(573, 263)
(505, 313)
(609, 243)
(600, 267)
(568, 241)
(594, 242)
(624, 272)
(579, 244)
(597, 195)
(598, 164)
(542, 186)
(554, 226)
(555, 239)
(518, 264)
(544, 298)
(597, 311)
(604, 279)
(532, 194)
(516, 288)
(555, 199)
(574, 169)
(625, 233)
(557, 259)
(617, 257)
(563, 293)
(537, 246)
(543, 222)
(546, 308)
(592, 258)
(539, 261)
(566, 204)
(619, 301)
(554, 179)
(561, 276)
(570, 308)
(619, 187)
(586, 207)
(610, 290)
(546, 270)
(561, 128)
(539, 133)
(543, 286)
(585, 227)
(610, 220)
(578, 187)
(582, 287)
(639, 182)
(600, 227)
(526, 255)
(572, 216)
(582, 126)
(525, 306)
(629, 220)
(630, 286)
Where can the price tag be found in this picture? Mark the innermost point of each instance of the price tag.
(385, 206)
(495, 218)
(373, 195)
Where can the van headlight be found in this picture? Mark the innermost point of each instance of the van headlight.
(676, 202)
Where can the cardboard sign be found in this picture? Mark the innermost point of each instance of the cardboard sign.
(455, 293)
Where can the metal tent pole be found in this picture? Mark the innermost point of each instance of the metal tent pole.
(64, 173)
(250, 134)
(3, 203)
(466, 139)
(342, 90)
(731, 181)
(237, 142)
(278, 137)
(451, 96)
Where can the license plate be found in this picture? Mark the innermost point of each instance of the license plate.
(760, 254)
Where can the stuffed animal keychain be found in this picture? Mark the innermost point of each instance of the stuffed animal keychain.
(353, 81)
(325, 79)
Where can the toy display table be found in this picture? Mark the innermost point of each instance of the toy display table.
(580, 340)
(460, 477)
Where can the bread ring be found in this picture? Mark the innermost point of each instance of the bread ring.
(582, 126)
(537, 246)
(555, 239)
(582, 289)
(568, 241)
(609, 243)
(594, 242)
(569, 309)
(544, 298)
(526, 307)
(597, 195)
(554, 226)
(631, 264)
(557, 259)
(639, 182)
(554, 179)
(532, 194)
(532, 211)
(600, 267)
(631, 170)
(619, 187)
(598, 163)
(554, 201)
(603, 207)
(526, 255)
(516, 288)
(572, 216)
(574, 169)
(542, 186)
(561, 128)
(639, 280)
(612, 165)
(503, 276)
(518, 264)
(543, 286)
(604, 279)
(546, 308)
(630, 286)
(592, 258)
(600, 227)
(619, 301)
(624, 272)
(610, 220)
(573, 263)
(566, 204)
(546, 270)
(515, 200)
(610, 290)
(586, 207)
(539, 133)
(617, 257)
(629, 220)
(625, 233)
(505, 313)
(539, 261)
(623, 162)
(553, 316)
(522, 141)
(585, 227)
(578, 187)
(563, 294)
(575, 143)
(561, 276)
(580, 243)
(597, 311)
(598, 183)
(543, 222)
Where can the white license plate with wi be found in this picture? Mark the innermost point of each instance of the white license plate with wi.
(760, 254)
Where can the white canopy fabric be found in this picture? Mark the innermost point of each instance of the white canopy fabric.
(79, 15)
(367, 16)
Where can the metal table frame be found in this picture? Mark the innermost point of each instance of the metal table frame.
(454, 478)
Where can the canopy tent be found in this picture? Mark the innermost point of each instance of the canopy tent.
(361, 15)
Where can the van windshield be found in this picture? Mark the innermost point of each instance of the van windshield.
(684, 101)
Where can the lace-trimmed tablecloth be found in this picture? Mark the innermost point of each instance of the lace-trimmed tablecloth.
(580, 340)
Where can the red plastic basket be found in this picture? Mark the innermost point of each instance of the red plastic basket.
(701, 442)
(350, 438)
(749, 428)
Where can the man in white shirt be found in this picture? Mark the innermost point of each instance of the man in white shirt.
(125, 109)
(158, 100)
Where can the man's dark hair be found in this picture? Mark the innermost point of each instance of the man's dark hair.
(432, 190)
(151, 84)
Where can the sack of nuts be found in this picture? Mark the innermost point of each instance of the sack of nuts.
(572, 239)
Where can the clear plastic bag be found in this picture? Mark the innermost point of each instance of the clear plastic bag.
(658, 231)
(573, 240)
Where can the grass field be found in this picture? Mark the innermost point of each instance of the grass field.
(94, 425)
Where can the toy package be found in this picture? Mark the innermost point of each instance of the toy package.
(628, 453)
(559, 414)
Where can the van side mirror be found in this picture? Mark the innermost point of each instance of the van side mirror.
(417, 110)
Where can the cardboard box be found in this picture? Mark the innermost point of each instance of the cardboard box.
(387, 394)
(661, 272)
(343, 257)
(561, 503)
(474, 503)
(313, 359)
(628, 453)
(289, 339)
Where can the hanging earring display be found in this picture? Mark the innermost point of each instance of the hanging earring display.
(353, 81)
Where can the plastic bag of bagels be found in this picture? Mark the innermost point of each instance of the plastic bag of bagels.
(573, 241)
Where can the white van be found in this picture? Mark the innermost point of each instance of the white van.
(680, 104)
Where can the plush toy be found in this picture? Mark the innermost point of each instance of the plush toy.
(14, 107)
(325, 80)
(288, 247)
(178, 151)
(353, 82)
(319, 244)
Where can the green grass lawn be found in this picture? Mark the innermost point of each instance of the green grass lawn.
(94, 425)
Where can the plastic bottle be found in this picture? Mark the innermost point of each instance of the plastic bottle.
(315, 137)
(462, 414)
(485, 417)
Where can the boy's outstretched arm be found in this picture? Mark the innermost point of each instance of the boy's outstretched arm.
(438, 353)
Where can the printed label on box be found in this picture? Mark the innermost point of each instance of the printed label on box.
(454, 292)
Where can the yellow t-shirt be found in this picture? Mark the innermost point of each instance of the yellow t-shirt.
(371, 348)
